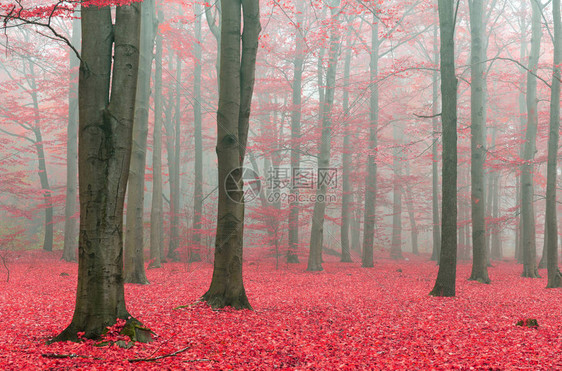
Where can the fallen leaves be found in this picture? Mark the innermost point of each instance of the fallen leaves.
(347, 317)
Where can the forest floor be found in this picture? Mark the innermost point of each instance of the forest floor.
(344, 317)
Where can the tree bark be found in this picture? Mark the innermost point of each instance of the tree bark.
(436, 251)
(317, 229)
(156, 212)
(105, 139)
(237, 75)
(446, 277)
(371, 180)
(70, 208)
(527, 207)
(477, 145)
(134, 232)
(196, 247)
(554, 275)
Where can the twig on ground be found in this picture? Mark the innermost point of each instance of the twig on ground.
(159, 357)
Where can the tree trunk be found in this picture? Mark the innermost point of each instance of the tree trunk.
(70, 208)
(105, 139)
(396, 244)
(446, 277)
(317, 229)
(371, 180)
(156, 212)
(410, 204)
(237, 75)
(346, 159)
(134, 231)
(174, 169)
(527, 212)
(477, 146)
(554, 276)
(196, 247)
(294, 208)
(436, 251)
(496, 247)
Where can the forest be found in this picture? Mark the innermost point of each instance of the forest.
(294, 184)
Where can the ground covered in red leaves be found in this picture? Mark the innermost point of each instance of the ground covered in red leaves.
(345, 317)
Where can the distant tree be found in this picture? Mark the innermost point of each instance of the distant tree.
(446, 277)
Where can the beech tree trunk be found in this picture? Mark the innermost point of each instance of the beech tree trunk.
(371, 180)
(527, 212)
(346, 159)
(411, 214)
(105, 139)
(436, 251)
(477, 145)
(156, 212)
(446, 277)
(396, 244)
(294, 208)
(196, 247)
(237, 75)
(554, 275)
(317, 229)
(134, 232)
(71, 200)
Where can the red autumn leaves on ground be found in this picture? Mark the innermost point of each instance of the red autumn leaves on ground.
(345, 317)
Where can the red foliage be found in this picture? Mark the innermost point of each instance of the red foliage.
(345, 317)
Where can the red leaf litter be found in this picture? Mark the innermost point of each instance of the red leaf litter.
(345, 317)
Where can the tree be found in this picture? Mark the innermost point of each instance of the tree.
(398, 158)
(554, 276)
(105, 139)
(446, 276)
(436, 233)
(527, 190)
(134, 232)
(477, 144)
(317, 229)
(70, 222)
(237, 75)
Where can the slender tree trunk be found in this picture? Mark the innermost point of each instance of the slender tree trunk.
(496, 247)
(554, 275)
(317, 229)
(237, 75)
(174, 168)
(70, 208)
(105, 139)
(195, 248)
(371, 180)
(412, 216)
(477, 145)
(436, 251)
(446, 277)
(156, 212)
(134, 231)
(396, 244)
(527, 212)
(294, 208)
(346, 159)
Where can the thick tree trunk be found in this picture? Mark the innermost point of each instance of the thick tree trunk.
(70, 208)
(134, 232)
(317, 229)
(105, 139)
(527, 212)
(237, 75)
(294, 208)
(196, 247)
(156, 212)
(554, 276)
(446, 277)
(436, 251)
(371, 180)
(477, 145)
